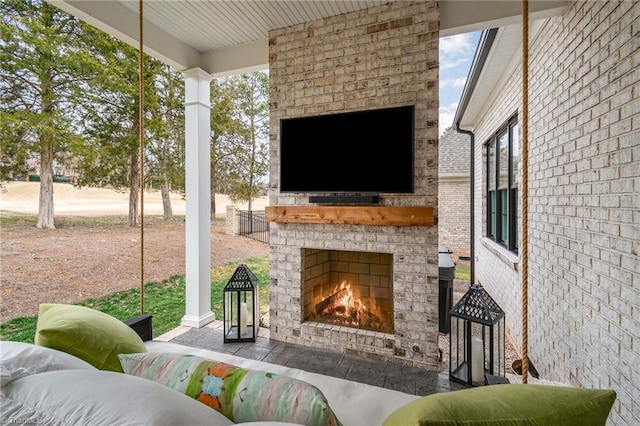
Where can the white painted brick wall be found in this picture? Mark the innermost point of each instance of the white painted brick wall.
(584, 285)
(380, 57)
(496, 268)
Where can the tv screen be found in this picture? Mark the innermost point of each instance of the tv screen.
(355, 152)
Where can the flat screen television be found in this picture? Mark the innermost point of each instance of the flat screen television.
(363, 152)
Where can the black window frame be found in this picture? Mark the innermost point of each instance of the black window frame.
(505, 196)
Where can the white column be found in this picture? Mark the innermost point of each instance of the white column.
(198, 198)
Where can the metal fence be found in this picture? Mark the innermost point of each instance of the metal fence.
(253, 224)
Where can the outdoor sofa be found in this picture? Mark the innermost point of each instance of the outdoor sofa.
(89, 368)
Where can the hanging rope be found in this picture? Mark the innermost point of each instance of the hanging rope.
(525, 191)
(141, 143)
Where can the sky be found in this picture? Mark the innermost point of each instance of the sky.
(456, 55)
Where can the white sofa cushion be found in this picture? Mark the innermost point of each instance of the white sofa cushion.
(19, 359)
(84, 397)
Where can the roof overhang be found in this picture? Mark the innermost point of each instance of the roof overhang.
(225, 37)
(499, 52)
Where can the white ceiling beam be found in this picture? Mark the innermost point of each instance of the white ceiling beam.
(463, 16)
(243, 58)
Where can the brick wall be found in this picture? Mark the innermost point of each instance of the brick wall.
(497, 269)
(454, 178)
(454, 214)
(584, 220)
(380, 57)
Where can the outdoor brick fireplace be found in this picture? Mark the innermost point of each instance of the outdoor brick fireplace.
(359, 279)
(392, 272)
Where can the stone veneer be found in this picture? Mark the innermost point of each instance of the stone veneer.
(380, 57)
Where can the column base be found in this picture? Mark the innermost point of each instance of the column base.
(197, 322)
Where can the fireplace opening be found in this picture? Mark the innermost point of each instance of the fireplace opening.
(351, 289)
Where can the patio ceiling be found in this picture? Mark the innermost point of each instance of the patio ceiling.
(224, 37)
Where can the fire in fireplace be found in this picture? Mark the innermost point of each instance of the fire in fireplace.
(351, 289)
(344, 308)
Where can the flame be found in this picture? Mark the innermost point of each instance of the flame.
(342, 307)
(352, 306)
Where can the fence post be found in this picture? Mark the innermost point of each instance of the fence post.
(231, 222)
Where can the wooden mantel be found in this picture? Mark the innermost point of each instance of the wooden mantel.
(353, 215)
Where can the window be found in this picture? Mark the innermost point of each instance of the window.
(503, 156)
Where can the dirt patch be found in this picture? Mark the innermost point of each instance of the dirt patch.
(76, 262)
(93, 252)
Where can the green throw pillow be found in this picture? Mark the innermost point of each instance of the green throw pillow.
(511, 404)
(90, 335)
(242, 395)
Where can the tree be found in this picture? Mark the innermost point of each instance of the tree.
(13, 159)
(109, 155)
(252, 163)
(44, 62)
(69, 91)
(166, 137)
(242, 151)
(223, 128)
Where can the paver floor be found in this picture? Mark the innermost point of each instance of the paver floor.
(405, 379)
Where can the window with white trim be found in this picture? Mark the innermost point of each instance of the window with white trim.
(503, 156)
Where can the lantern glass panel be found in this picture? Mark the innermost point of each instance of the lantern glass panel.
(497, 366)
(457, 350)
(230, 316)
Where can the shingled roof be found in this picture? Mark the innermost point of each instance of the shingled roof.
(453, 156)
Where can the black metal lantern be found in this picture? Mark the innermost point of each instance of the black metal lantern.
(476, 340)
(240, 307)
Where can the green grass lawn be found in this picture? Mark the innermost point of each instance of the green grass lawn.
(165, 301)
(463, 273)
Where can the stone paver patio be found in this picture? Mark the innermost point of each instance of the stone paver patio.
(321, 361)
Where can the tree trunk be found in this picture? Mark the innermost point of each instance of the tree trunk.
(167, 211)
(45, 203)
(251, 173)
(213, 205)
(212, 191)
(134, 190)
